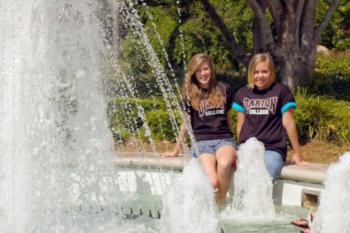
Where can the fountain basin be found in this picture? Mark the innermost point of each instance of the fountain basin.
(296, 186)
(145, 177)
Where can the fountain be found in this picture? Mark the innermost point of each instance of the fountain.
(252, 197)
(57, 171)
(334, 210)
(57, 158)
(189, 202)
(56, 149)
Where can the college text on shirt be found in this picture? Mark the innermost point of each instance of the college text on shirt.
(260, 106)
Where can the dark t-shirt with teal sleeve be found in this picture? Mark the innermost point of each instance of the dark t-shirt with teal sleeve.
(209, 122)
(263, 110)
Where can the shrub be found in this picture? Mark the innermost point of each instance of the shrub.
(317, 117)
(332, 76)
(161, 126)
(124, 118)
(234, 124)
(322, 117)
(129, 116)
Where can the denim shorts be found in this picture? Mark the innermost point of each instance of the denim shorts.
(210, 146)
(274, 163)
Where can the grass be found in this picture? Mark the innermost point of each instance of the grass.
(322, 152)
(314, 151)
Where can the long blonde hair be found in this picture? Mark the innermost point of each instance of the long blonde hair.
(258, 58)
(191, 90)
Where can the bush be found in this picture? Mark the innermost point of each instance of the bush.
(130, 117)
(161, 126)
(124, 118)
(317, 117)
(332, 76)
(322, 117)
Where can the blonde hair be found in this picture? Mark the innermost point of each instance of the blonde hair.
(259, 58)
(191, 89)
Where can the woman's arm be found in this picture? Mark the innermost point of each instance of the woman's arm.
(289, 124)
(179, 140)
(240, 120)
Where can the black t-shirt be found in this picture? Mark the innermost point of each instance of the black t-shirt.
(263, 115)
(210, 122)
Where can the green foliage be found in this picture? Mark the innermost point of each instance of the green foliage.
(234, 124)
(201, 35)
(322, 118)
(160, 24)
(199, 32)
(335, 36)
(128, 117)
(332, 76)
(160, 125)
(135, 64)
(123, 118)
(317, 117)
(163, 25)
(336, 64)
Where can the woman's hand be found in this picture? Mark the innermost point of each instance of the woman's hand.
(176, 150)
(298, 160)
(173, 153)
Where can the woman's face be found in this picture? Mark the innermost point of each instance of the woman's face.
(203, 75)
(262, 76)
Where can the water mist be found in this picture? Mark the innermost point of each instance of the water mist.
(56, 149)
(334, 211)
(252, 185)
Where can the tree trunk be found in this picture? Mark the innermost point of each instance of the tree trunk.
(294, 71)
(294, 55)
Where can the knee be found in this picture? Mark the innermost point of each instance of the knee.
(214, 182)
(226, 165)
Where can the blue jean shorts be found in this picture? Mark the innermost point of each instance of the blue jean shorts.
(210, 146)
(274, 163)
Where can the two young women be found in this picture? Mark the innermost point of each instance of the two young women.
(265, 111)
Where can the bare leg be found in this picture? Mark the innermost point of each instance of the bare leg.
(208, 162)
(225, 156)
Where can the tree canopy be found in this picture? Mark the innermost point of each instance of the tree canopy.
(232, 30)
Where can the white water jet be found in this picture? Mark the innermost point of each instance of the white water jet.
(188, 204)
(334, 211)
(56, 171)
(252, 198)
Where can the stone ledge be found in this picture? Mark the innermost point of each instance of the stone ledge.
(151, 160)
(315, 173)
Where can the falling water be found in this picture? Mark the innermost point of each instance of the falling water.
(56, 152)
(188, 204)
(334, 211)
(252, 198)
(56, 149)
(129, 85)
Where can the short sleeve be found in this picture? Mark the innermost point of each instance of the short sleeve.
(238, 101)
(287, 99)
